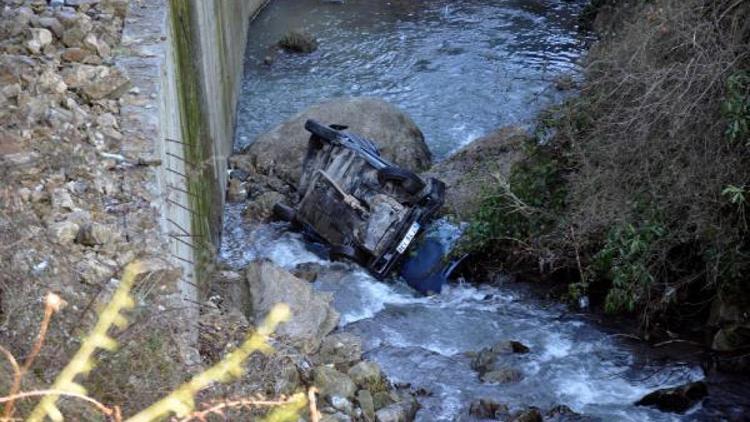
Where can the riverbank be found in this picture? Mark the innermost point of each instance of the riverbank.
(631, 196)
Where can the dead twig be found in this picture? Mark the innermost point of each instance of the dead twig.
(314, 414)
(219, 407)
(110, 412)
(52, 304)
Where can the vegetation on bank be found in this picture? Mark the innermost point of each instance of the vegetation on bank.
(641, 191)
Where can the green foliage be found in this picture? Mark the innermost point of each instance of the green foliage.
(523, 207)
(736, 107)
(626, 259)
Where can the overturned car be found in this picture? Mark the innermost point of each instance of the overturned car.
(365, 208)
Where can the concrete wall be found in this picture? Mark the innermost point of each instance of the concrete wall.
(186, 58)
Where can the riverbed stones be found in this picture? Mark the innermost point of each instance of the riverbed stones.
(532, 414)
(341, 350)
(260, 208)
(313, 317)
(501, 376)
(331, 382)
(677, 399)
(403, 411)
(487, 409)
(297, 41)
(492, 363)
(365, 374)
(366, 403)
(236, 191)
(279, 153)
(484, 162)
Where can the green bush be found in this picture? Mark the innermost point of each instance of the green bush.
(626, 259)
(736, 107)
(514, 213)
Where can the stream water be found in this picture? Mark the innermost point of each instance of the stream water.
(460, 69)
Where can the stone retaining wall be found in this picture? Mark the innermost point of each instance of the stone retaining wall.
(186, 58)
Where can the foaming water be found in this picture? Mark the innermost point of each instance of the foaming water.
(427, 341)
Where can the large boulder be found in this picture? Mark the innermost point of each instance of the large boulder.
(468, 172)
(313, 317)
(677, 399)
(280, 152)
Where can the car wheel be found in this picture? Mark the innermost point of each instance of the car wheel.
(342, 252)
(284, 212)
(321, 131)
(408, 180)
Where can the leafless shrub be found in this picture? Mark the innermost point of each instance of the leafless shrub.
(653, 145)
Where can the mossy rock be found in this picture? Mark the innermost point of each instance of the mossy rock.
(298, 42)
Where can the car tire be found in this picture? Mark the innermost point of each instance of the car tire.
(343, 252)
(408, 180)
(284, 212)
(322, 131)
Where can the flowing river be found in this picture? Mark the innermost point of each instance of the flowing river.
(460, 68)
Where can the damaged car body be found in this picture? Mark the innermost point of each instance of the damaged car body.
(365, 208)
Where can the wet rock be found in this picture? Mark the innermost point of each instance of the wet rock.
(733, 364)
(260, 208)
(487, 409)
(531, 414)
(502, 376)
(298, 42)
(335, 417)
(565, 83)
(331, 382)
(63, 232)
(677, 399)
(383, 399)
(366, 403)
(236, 192)
(313, 317)
(732, 337)
(342, 404)
(365, 374)
(562, 413)
(279, 153)
(467, 172)
(403, 411)
(341, 350)
(307, 271)
(492, 359)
